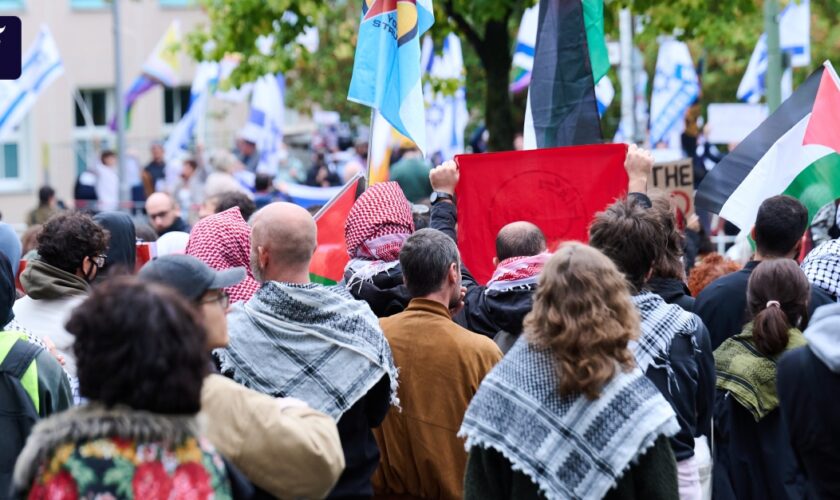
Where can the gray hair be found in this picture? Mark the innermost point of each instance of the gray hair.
(425, 259)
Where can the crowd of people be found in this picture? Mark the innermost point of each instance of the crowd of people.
(601, 370)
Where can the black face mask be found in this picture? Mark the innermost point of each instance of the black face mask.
(88, 276)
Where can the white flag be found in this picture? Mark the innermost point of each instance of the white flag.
(675, 88)
(446, 115)
(265, 121)
(41, 66)
(523, 55)
(206, 77)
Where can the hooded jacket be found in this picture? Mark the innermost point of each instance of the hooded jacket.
(806, 379)
(122, 245)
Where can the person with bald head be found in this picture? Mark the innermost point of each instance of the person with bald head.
(295, 338)
(164, 214)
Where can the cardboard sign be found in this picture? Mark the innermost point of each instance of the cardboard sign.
(677, 179)
(732, 123)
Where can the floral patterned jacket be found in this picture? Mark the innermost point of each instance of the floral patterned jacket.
(97, 453)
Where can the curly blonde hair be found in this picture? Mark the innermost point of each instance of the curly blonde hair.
(583, 313)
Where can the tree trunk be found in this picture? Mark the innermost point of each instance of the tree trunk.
(496, 59)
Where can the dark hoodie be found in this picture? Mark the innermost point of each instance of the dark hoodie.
(672, 291)
(122, 247)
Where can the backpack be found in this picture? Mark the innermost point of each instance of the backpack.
(18, 414)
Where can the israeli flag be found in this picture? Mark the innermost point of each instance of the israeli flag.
(41, 66)
(205, 81)
(794, 39)
(523, 55)
(604, 94)
(675, 88)
(265, 121)
(446, 115)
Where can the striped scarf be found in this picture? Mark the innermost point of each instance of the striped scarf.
(661, 322)
(569, 446)
(517, 273)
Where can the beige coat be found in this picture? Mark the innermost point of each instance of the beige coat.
(441, 366)
(289, 451)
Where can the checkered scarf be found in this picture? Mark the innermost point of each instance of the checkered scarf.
(822, 267)
(661, 322)
(569, 446)
(517, 272)
(223, 241)
(311, 342)
(376, 229)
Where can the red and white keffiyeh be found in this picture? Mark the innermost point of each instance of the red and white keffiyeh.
(223, 241)
(379, 223)
(517, 272)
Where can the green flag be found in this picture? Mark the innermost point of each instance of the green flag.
(593, 20)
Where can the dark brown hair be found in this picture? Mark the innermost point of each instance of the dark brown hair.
(141, 345)
(782, 281)
(669, 263)
(630, 236)
(583, 313)
(68, 238)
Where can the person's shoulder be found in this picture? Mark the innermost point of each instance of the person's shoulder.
(722, 287)
(476, 343)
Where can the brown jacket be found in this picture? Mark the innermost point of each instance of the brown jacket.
(441, 366)
(289, 451)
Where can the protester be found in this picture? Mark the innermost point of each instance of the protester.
(239, 199)
(10, 245)
(164, 214)
(807, 377)
(376, 228)
(822, 268)
(141, 363)
(29, 241)
(208, 208)
(34, 385)
(668, 278)
(71, 251)
(107, 182)
(47, 207)
(778, 230)
(673, 350)
(189, 190)
(172, 243)
(710, 268)
(566, 414)
(221, 179)
(411, 172)
(299, 339)
(144, 232)
(320, 174)
(421, 454)
(223, 241)
(246, 151)
(154, 174)
(281, 445)
(754, 456)
(122, 244)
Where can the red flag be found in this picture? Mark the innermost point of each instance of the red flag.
(558, 189)
(327, 266)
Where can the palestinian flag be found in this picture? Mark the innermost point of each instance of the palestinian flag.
(327, 266)
(794, 152)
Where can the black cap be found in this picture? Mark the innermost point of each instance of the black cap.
(189, 275)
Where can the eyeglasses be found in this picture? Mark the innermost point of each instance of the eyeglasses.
(99, 260)
(223, 299)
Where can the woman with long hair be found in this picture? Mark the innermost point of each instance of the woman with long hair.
(754, 457)
(567, 414)
(141, 359)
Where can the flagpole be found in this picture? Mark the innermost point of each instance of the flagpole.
(370, 146)
(774, 55)
(118, 91)
(628, 84)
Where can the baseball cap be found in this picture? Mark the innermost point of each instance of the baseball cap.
(189, 275)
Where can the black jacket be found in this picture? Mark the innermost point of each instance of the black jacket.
(122, 244)
(692, 390)
(178, 225)
(672, 291)
(487, 312)
(811, 410)
(386, 293)
(723, 304)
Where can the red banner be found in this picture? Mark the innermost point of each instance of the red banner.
(558, 189)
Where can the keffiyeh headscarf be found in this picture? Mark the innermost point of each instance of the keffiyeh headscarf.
(223, 241)
(517, 272)
(822, 267)
(376, 229)
(661, 322)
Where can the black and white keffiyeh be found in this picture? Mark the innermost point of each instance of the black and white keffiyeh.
(661, 322)
(822, 267)
(569, 446)
(311, 342)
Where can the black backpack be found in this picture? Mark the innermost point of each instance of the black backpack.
(17, 411)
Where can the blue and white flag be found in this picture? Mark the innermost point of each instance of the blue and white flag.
(265, 121)
(386, 69)
(41, 66)
(446, 115)
(675, 88)
(604, 94)
(523, 55)
(204, 84)
(794, 39)
(308, 196)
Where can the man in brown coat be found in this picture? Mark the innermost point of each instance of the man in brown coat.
(441, 366)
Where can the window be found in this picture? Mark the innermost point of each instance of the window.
(94, 109)
(176, 101)
(178, 3)
(88, 4)
(13, 155)
(11, 4)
